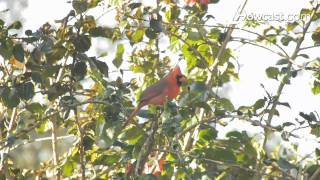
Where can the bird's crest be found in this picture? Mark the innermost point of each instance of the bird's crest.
(176, 70)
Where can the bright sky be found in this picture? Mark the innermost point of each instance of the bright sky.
(253, 60)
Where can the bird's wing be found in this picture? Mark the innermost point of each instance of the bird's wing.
(154, 90)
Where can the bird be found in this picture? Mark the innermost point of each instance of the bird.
(167, 88)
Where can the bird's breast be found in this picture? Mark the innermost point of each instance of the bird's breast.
(173, 92)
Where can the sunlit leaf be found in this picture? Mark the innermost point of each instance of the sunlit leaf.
(137, 35)
(226, 104)
(15, 63)
(118, 59)
(316, 87)
(69, 167)
(207, 134)
(292, 26)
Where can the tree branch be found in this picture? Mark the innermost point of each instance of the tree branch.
(281, 86)
(55, 156)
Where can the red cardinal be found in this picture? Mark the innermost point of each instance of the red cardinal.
(167, 88)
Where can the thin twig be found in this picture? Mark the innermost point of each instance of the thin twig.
(81, 147)
(55, 156)
(5, 150)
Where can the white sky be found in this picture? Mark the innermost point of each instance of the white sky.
(253, 60)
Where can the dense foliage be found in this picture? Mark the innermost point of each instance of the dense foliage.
(44, 88)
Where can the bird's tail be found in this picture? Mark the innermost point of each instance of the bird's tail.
(133, 113)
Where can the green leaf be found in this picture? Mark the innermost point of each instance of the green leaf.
(101, 32)
(18, 52)
(82, 43)
(315, 130)
(9, 97)
(15, 25)
(87, 142)
(282, 62)
(259, 104)
(173, 13)
(204, 50)
(286, 40)
(119, 53)
(6, 49)
(102, 67)
(304, 56)
(208, 134)
(288, 124)
(37, 77)
(220, 154)
(304, 12)
(272, 72)
(226, 104)
(47, 45)
(134, 5)
(108, 160)
(79, 70)
(35, 108)
(56, 54)
(151, 33)
(80, 5)
(26, 90)
(55, 91)
(284, 104)
(68, 167)
(316, 87)
(137, 35)
(145, 114)
(28, 32)
(203, 105)
(292, 26)
(195, 36)
(286, 165)
(235, 135)
(132, 135)
(68, 101)
(309, 117)
(318, 153)
(316, 37)
(189, 56)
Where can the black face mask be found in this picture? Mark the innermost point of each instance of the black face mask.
(178, 79)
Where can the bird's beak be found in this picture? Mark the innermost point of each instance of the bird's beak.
(183, 79)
